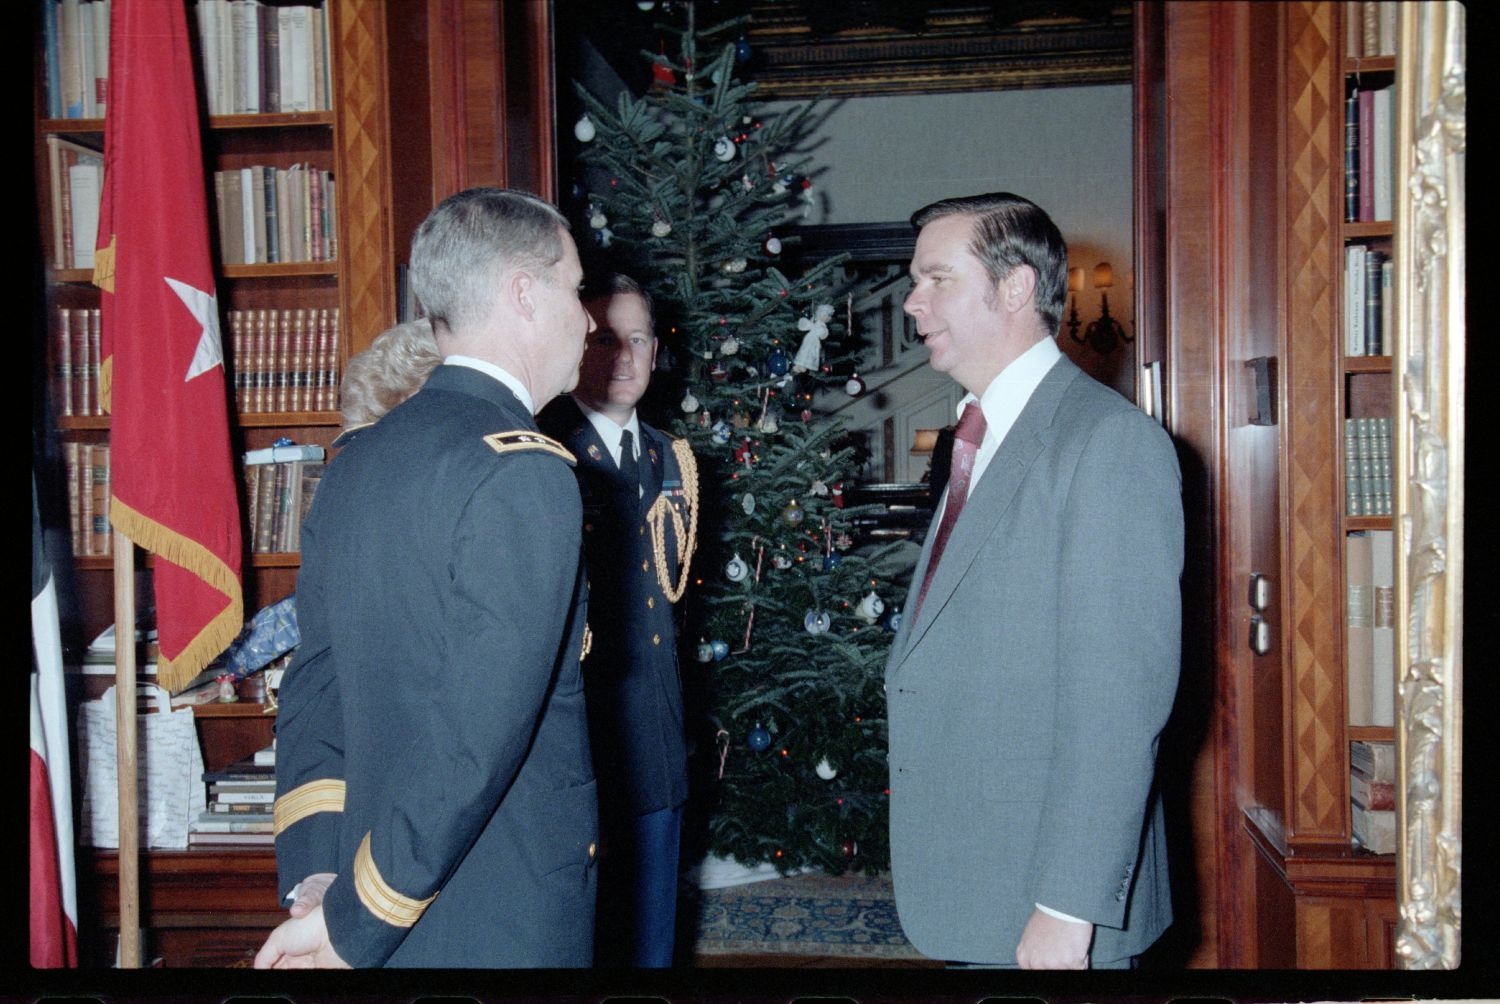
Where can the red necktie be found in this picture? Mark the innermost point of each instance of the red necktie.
(966, 440)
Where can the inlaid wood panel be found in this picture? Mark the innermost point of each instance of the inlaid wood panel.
(363, 172)
(1317, 775)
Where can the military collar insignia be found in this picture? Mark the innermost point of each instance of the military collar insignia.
(594, 453)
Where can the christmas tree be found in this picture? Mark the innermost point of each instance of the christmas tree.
(788, 624)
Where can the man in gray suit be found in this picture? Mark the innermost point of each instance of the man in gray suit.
(1036, 666)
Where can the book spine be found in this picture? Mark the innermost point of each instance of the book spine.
(94, 319)
(272, 217)
(1387, 306)
(1358, 638)
(1366, 129)
(279, 506)
(53, 60)
(1368, 484)
(1352, 497)
(63, 340)
(1372, 304)
(69, 38)
(1389, 16)
(262, 359)
(265, 511)
(73, 466)
(1370, 24)
(86, 497)
(1351, 158)
(247, 211)
(237, 341)
(1383, 627)
(332, 318)
(1354, 300)
(1370, 794)
(101, 57)
(252, 501)
(1383, 464)
(103, 538)
(1381, 152)
(258, 212)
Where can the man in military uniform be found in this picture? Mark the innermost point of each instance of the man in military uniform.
(436, 803)
(638, 487)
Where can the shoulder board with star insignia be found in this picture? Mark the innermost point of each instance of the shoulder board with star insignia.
(509, 442)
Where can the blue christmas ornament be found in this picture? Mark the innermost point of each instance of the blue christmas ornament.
(892, 620)
(741, 49)
(720, 648)
(758, 739)
(777, 362)
(831, 561)
(721, 432)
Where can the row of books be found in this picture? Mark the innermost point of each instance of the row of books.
(76, 39)
(1372, 795)
(268, 215)
(1367, 466)
(88, 497)
(285, 359)
(75, 179)
(1369, 301)
(1370, 627)
(240, 803)
(1369, 154)
(261, 57)
(1370, 27)
(75, 359)
(278, 496)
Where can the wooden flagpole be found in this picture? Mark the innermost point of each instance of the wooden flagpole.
(125, 752)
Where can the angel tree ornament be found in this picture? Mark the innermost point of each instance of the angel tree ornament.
(810, 352)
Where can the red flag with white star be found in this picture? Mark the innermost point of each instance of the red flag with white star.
(162, 376)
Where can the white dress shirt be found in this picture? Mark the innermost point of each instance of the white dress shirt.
(611, 433)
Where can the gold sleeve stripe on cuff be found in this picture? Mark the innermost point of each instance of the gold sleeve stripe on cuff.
(379, 898)
(323, 795)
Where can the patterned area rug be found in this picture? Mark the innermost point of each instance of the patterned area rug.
(813, 914)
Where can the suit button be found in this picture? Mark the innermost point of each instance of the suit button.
(651, 603)
(593, 848)
(656, 639)
(646, 566)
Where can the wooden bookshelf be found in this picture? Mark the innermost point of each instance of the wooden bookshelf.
(207, 906)
(1322, 901)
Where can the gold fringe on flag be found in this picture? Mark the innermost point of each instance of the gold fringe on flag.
(215, 636)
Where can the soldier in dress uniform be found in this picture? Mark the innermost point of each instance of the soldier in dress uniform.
(639, 504)
(436, 803)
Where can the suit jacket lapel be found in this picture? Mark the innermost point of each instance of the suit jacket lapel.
(988, 503)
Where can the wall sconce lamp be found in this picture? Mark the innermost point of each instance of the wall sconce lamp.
(924, 441)
(1105, 334)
